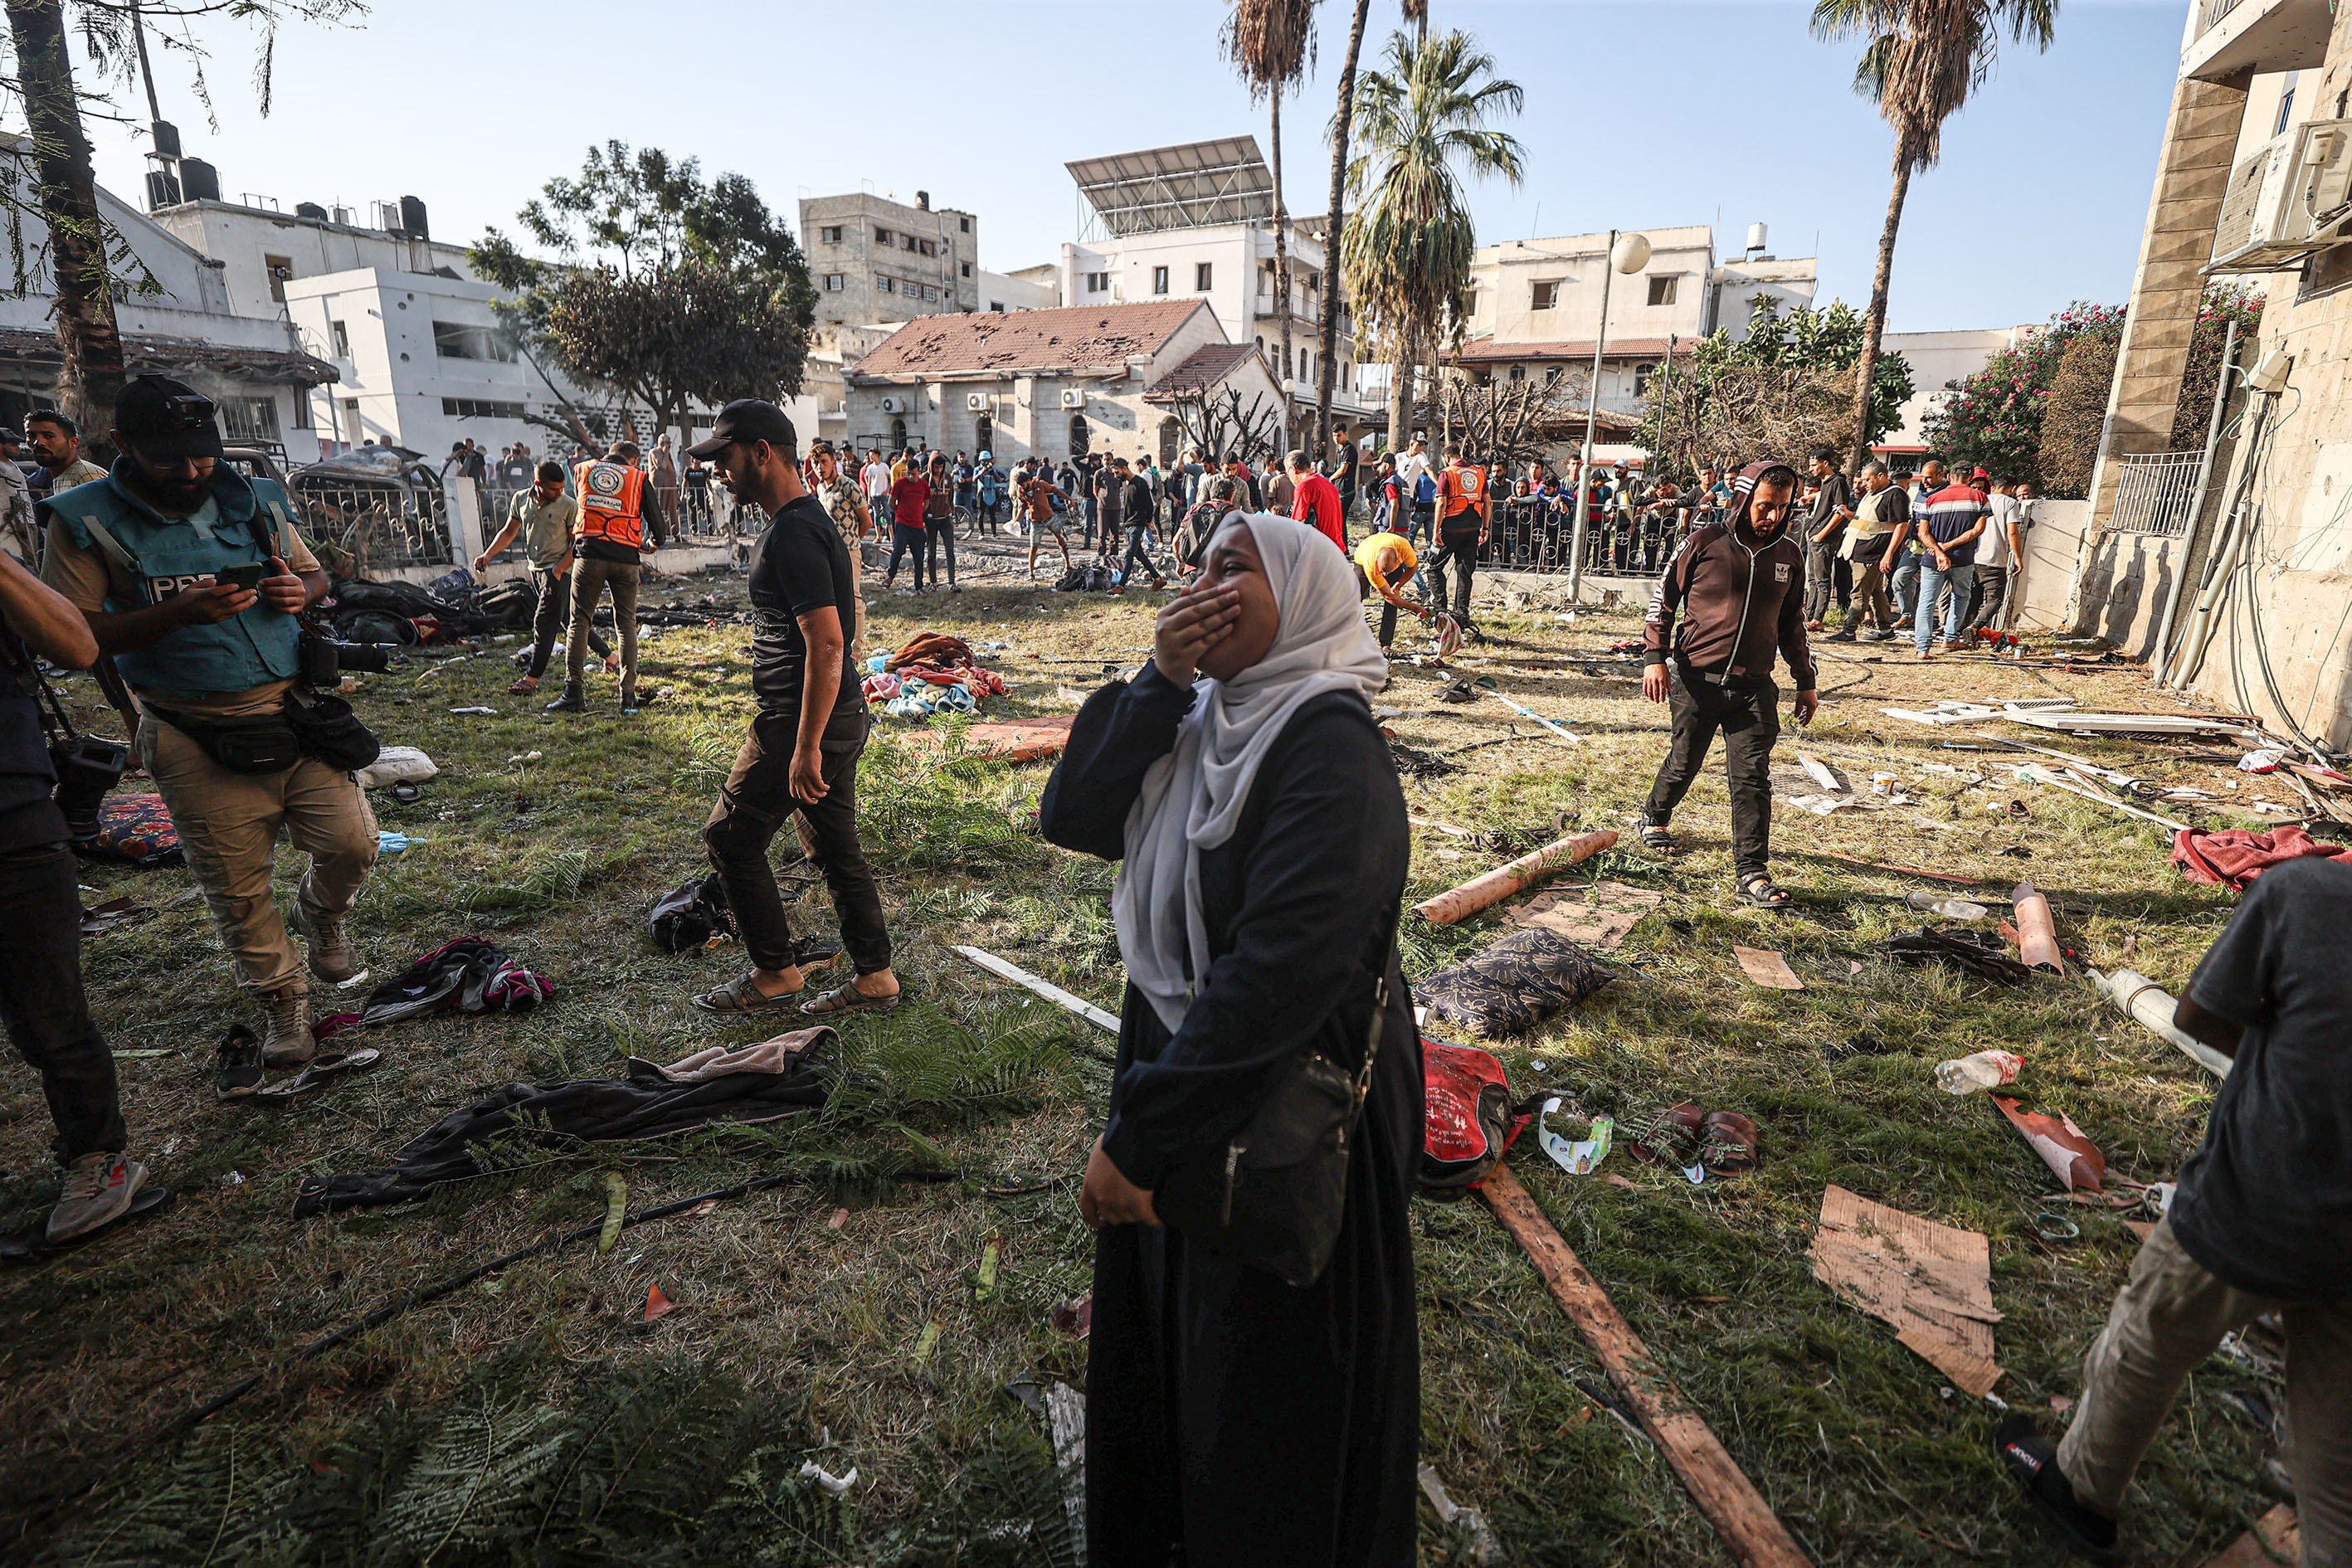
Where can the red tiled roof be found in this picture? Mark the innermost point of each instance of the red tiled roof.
(1485, 351)
(1071, 338)
(1198, 371)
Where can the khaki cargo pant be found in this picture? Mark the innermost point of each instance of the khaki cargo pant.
(2168, 1317)
(228, 826)
(590, 578)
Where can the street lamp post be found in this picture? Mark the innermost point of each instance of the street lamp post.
(1628, 253)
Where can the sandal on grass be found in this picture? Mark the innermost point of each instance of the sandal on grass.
(523, 688)
(1657, 838)
(1727, 1145)
(844, 999)
(742, 995)
(1670, 1138)
(1760, 891)
(319, 1069)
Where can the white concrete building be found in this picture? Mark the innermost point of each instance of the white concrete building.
(255, 368)
(1026, 288)
(1111, 378)
(1937, 360)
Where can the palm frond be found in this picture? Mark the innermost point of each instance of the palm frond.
(1270, 42)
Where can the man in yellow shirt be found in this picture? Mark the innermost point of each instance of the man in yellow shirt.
(1387, 563)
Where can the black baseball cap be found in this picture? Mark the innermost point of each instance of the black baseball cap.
(747, 419)
(167, 419)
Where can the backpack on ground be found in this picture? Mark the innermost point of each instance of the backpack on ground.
(692, 916)
(1469, 1119)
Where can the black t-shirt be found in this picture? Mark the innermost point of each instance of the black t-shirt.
(798, 565)
(2266, 1203)
(1836, 493)
(1344, 474)
(29, 817)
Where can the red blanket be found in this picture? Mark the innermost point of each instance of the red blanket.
(2235, 858)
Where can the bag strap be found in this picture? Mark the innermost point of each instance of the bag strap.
(1379, 1017)
(112, 545)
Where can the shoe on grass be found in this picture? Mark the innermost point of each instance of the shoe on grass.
(286, 1039)
(571, 702)
(237, 1064)
(2031, 1461)
(332, 957)
(97, 1190)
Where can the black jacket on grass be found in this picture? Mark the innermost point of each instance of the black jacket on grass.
(1231, 1418)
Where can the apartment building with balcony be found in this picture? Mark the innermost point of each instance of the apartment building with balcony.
(2227, 561)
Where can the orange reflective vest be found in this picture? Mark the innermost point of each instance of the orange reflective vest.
(612, 502)
(1461, 490)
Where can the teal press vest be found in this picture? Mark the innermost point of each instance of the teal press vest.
(163, 555)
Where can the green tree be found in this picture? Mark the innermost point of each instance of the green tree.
(1335, 216)
(668, 289)
(1270, 42)
(1996, 417)
(1405, 250)
(1778, 392)
(1920, 60)
(2072, 417)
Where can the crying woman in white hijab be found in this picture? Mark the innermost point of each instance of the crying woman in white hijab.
(1251, 801)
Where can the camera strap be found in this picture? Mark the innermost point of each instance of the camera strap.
(49, 698)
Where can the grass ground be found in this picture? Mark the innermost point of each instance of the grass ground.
(533, 1416)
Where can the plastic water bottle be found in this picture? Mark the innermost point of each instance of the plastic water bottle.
(1950, 908)
(1973, 1074)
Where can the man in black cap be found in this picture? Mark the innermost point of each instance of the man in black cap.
(191, 579)
(800, 757)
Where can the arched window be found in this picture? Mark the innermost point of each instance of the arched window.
(1078, 434)
(983, 434)
(897, 435)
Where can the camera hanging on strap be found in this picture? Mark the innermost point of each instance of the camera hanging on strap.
(87, 766)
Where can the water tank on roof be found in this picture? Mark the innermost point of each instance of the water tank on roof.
(162, 190)
(199, 180)
(412, 218)
(311, 210)
(1755, 237)
(167, 139)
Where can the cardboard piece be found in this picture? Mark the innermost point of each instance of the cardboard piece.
(2275, 1541)
(1932, 1281)
(1597, 917)
(1768, 969)
(2063, 1146)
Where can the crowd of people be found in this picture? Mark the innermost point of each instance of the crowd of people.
(1252, 1385)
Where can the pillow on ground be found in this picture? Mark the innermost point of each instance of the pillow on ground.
(1515, 985)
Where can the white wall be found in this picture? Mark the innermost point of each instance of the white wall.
(1505, 277)
(240, 237)
(1938, 359)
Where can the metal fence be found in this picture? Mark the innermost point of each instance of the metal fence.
(2156, 494)
(1530, 536)
(376, 527)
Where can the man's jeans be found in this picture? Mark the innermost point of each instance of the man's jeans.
(2168, 1319)
(1904, 584)
(1749, 717)
(48, 1015)
(551, 619)
(1933, 581)
(752, 805)
(589, 577)
(1136, 556)
(1826, 572)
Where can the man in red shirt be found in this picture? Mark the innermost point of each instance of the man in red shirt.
(1316, 501)
(910, 495)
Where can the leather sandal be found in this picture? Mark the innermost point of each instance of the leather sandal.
(1759, 891)
(1727, 1145)
(741, 996)
(845, 999)
(1659, 838)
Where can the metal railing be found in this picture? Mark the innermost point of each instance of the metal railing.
(2156, 493)
(1529, 536)
(375, 528)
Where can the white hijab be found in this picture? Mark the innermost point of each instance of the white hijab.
(1193, 797)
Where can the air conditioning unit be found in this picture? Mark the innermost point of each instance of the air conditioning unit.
(2291, 198)
(893, 405)
(975, 402)
(1073, 397)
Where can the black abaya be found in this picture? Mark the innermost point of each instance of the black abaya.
(1230, 1419)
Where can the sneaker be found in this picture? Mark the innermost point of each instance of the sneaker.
(2032, 1460)
(286, 1039)
(570, 702)
(331, 956)
(1842, 636)
(238, 1065)
(98, 1189)
(1872, 634)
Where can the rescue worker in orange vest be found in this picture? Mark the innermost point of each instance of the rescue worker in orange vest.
(609, 539)
(1462, 528)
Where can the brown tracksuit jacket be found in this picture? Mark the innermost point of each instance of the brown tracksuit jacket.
(1739, 601)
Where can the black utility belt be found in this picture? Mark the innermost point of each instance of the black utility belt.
(321, 727)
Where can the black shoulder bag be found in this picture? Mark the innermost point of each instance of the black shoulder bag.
(1275, 1196)
(324, 727)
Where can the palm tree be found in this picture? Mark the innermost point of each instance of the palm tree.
(1270, 42)
(1405, 252)
(1327, 343)
(1921, 60)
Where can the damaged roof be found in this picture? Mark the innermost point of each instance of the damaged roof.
(1200, 371)
(1077, 337)
(144, 355)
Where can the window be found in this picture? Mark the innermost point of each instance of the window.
(996, 306)
(1641, 374)
(830, 234)
(1160, 281)
(1547, 295)
(249, 418)
(1201, 272)
(886, 283)
(967, 269)
(881, 237)
(1097, 282)
(1519, 372)
(2286, 103)
(302, 420)
(342, 339)
(479, 408)
(927, 247)
(929, 292)
(281, 270)
(966, 223)
(453, 341)
(1662, 290)
(907, 242)
(835, 282)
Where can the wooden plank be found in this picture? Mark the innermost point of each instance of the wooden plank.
(1043, 987)
(1740, 1515)
(1460, 903)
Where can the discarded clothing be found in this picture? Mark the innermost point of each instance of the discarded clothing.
(1980, 953)
(2235, 856)
(693, 915)
(936, 649)
(467, 975)
(767, 1084)
(132, 830)
(781, 1055)
(1515, 985)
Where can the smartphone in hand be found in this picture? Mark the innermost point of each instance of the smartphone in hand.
(246, 577)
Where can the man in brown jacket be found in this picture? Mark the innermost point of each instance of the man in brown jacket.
(1738, 587)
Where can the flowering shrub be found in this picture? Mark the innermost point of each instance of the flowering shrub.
(1993, 418)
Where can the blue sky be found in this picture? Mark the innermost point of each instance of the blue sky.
(1656, 113)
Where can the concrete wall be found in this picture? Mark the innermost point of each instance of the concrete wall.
(2126, 579)
(1505, 277)
(2051, 547)
(845, 271)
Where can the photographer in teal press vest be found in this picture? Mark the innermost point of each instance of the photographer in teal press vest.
(192, 580)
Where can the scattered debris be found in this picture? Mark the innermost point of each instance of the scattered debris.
(1825, 776)
(1820, 805)
(113, 915)
(840, 1217)
(1767, 968)
(1983, 1070)
(1977, 951)
(1469, 1526)
(2037, 930)
(826, 1481)
(928, 1341)
(1530, 713)
(2234, 858)
(2063, 1147)
(616, 1208)
(1932, 1281)
(656, 1304)
(1075, 1317)
(1459, 904)
(2275, 1538)
(1597, 917)
(1894, 870)
(2153, 1006)
(984, 1282)
(1856, 1046)
(2037, 773)
(1950, 908)
(1043, 987)
(1580, 1154)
